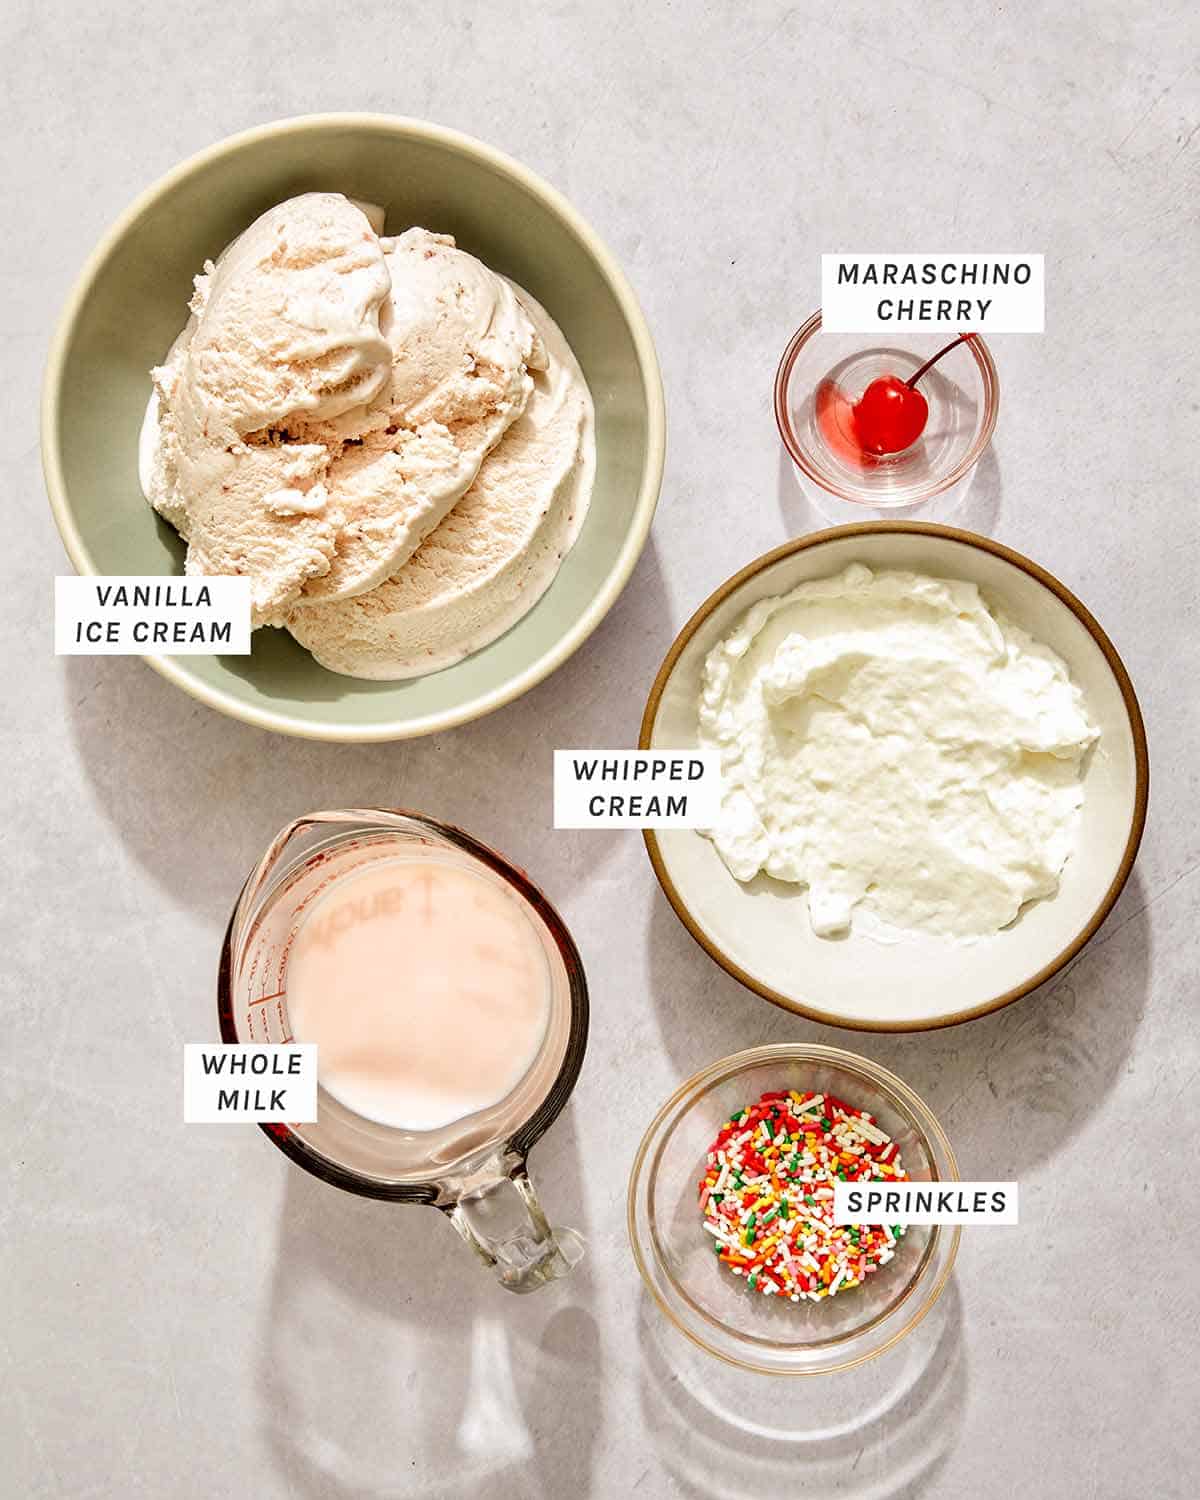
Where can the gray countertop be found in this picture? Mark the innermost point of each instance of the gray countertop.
(186, 1315)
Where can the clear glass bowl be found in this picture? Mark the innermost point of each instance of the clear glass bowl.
(716, 1309)
(963, 392)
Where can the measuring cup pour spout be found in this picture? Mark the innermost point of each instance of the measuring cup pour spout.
(497, 1212)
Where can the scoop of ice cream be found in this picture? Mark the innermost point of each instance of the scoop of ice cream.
(333, 398)
(288, 321)
(285, 332)
(461, 350)
(493, 556)
(460, 339)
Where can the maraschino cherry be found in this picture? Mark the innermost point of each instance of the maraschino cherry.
(891, 413)
(889, 416)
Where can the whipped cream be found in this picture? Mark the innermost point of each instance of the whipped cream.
(899, 748)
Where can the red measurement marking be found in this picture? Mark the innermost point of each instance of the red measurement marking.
(262, 999)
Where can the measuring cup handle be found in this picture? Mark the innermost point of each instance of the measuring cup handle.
(498, 1214)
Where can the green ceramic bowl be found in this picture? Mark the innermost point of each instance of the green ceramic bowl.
(131, 301)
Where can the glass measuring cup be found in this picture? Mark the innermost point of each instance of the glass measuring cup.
(474, 1169)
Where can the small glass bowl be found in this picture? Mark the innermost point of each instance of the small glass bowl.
(963, 392)
(716, 1309)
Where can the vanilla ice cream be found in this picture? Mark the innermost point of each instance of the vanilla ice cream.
(336, 400)
(285, 328)
(900, 749)
(493, 556)
(462, 347)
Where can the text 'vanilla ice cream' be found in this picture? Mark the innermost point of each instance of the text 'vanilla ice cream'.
(335, 400)
(900, 749)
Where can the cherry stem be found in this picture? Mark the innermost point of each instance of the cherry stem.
(929, 363)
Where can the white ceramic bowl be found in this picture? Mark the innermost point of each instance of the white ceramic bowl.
(761, 934)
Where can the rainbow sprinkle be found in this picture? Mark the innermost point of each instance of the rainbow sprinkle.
(767, 1195)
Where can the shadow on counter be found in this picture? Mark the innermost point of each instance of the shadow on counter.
(1048, 1059)
(393, 1364)
(195, 796)
(973, 504)
(880, 1430)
